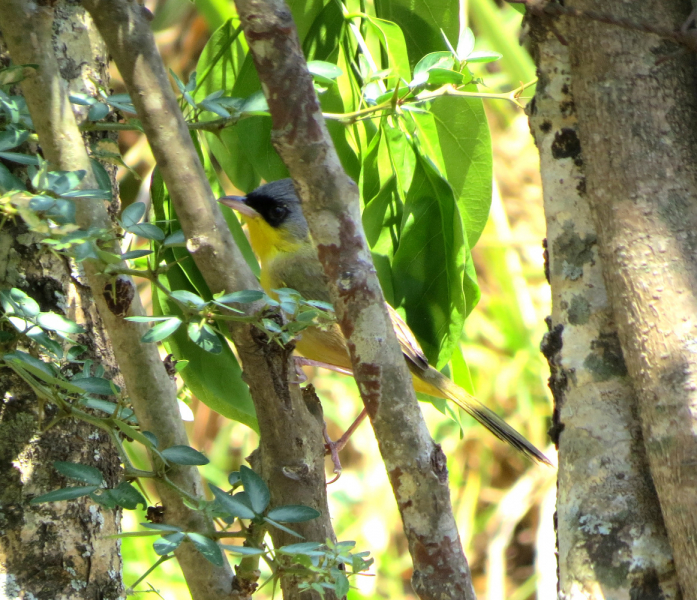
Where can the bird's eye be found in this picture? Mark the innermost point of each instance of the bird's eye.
(278, 212)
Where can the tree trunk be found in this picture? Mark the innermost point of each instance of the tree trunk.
(637, 126)
(611, 538)
(61, 549)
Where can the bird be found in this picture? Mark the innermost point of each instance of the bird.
(280, 238)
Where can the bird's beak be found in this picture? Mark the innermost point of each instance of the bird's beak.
(239, 204)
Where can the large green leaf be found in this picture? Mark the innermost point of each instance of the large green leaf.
(422, 21)
(465, 142)
(392, 39)
(428, 267)
(221, 60)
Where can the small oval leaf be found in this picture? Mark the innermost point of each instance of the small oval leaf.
(168, 543)
(84, 473)
(55, 322)
(161, 331)
(184, 455)
(293, 513)
(231, 505)
(208, 547)
(69, 493)
(132, 214)
(257, 490)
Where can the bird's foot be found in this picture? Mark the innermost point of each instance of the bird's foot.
(333, 448)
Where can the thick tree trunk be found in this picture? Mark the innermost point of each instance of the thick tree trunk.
(58, 549)
(637, 112)
(611, 538)
(62, 549)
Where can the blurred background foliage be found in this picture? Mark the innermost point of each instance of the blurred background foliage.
(503, 503)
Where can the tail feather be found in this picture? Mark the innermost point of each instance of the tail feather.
(441, 386)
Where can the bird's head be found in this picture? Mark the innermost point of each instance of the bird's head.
(274, 218)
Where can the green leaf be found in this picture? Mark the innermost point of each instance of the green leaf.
(392, 39)
(422, 22)
(443, 60)
(103, 498)
(84, 473)
(204, 337)
(133, 254)
(82, 99)
(132, 214)
(241, 297)
(97, 385)
(184, 455)
(232, 505)
(325, 71)
(11, 138)
(439, 77)
(277, 525)
(43, 339)
(176, 239)
(162, 527)
(168, 543)
(122, 102)
(432, 298)
(341, 585)
(293, 513)
(56, 322)
(234, 478)
(465, 43)
(463, 133)
(132, 433)
(189, 298)
(126, 414)
(152, 438)
(69, 493)
(97, 112)
(257, 490)
(484, 56)
(243, 550)
(208, 547)
(16, 301)
(8, 182)
(127, 496)
(101, 177)
(36, 366)
(300, 548)
(146, 319)
(163, 330)
(147, 231)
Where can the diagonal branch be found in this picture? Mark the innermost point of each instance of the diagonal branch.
(415, 464)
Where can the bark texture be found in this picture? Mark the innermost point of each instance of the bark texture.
(149, 387)
(637, 118)
(56, 550)
(291, 447)
(415, 464)
(611, 538)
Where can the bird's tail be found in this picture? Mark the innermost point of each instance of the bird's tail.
(431, 381)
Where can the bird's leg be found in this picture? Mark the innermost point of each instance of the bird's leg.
(333, 448)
